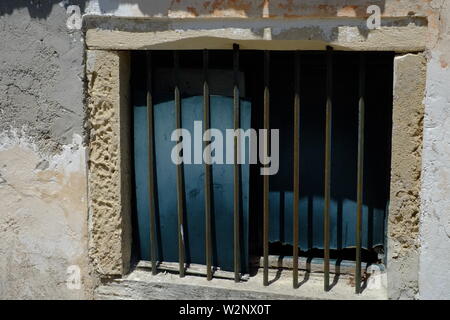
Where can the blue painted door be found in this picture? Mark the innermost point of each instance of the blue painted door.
(221, 110)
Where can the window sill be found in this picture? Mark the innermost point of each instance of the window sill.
(142, 285)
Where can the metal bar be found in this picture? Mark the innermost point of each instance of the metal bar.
(359, 196)
(327, 191)
(181, 253)
(206, 121)
(266, 177)
(151, 165)
(296, 167)
(236, 112)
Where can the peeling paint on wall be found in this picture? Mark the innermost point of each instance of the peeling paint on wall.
(42, 220)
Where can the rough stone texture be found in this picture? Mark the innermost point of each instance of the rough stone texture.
(109, 200)
(404, 207)
(434, 273)
(43, 216)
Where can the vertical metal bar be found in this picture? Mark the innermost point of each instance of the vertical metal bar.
(327, 192)
(296, 167)
(181, 252)
(206, 121)
(236, 112)
(266, 177)
(359, 196)
(151, 167)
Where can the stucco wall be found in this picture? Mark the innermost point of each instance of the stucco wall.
(43, 189)
(43, 141)
(434, 276)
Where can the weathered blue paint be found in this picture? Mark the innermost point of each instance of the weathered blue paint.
(166, 205)
(342, 222)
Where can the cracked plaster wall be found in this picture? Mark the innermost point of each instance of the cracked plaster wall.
(43, 189)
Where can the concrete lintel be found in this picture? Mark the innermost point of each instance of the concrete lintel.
(402, 34)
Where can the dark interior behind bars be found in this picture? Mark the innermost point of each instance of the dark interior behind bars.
(344, 143)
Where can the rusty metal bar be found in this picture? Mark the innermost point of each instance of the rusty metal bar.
(327, 182)
(359, 196)
(206, 121)
(151, 165)
(296, 167)
(181, 253)
(236, 112)
(266, 177)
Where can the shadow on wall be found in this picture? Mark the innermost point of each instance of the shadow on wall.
(38, 9)
(254, 9)
(41, 9)
(273, 8)
(248, 8)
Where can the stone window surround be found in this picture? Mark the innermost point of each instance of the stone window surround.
(108, 41)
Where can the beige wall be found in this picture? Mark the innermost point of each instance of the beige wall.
(109, 163)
